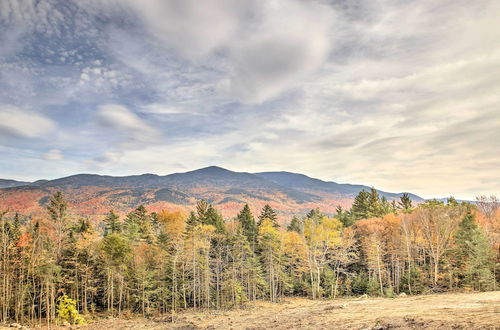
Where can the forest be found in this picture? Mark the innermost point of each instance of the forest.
(62, 267)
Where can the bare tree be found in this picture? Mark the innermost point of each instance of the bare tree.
(488, 204)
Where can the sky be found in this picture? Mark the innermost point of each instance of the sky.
(400, 95)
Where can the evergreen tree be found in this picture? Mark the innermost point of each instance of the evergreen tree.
(268, 213)
(451, 201)
(405, 203)
(214, 218)
(361, 206)
(57, 209)
(192, 221)
(248, 224)
(385, 206)
(344, 216)
(112, 222)
(201, 210)
(473, 259)
(139, 225)
(296, 225)
(375, 208)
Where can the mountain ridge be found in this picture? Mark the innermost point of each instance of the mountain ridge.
(287, 192)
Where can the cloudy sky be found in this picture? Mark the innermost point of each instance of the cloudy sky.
(402, 95)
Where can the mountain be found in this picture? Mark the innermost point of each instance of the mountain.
(4, 183)
(94, 195)
(304, 183)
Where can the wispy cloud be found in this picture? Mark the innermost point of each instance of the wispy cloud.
(402, 95)
(17, 122)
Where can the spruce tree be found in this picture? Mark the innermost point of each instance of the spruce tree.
(57, 209)
(361, 206)
(214, 218)
(375, 208)
(385, 207)
(344, 216)
(112, 222)
(268, 213)
(139, 225)
(201, 210)
(473, 259)
(405, 203)
(248, 224)
(315, 215)
(295, 225)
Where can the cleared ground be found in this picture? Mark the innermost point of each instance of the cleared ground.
(444, 311)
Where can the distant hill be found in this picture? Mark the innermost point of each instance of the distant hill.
(304, 183)
(92, 194)
(4, 183)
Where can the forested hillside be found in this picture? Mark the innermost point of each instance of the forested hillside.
(93, 195)
(61, 267)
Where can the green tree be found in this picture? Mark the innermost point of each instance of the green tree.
(248, 224)
(375, 208)
(473, 258)
(361, 206)
(405, 203)
(344, 216)
(139, 225)
(112, 222)
(214, 218)
(268, 213)
(296, 225)
(57, 209)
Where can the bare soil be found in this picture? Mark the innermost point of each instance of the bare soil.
(443, 311)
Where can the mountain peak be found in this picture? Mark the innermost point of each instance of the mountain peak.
(211, 170)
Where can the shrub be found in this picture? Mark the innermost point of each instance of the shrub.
(67, 312)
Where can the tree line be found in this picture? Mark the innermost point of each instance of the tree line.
(56, 266)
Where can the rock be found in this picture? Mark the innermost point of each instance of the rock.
(402, 294)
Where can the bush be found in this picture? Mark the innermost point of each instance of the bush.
(67, 312)
(373, 288)
(359, 285)
(389, 292)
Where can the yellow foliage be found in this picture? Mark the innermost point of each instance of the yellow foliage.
(173, 223)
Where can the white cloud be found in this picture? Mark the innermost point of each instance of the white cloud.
(18, 122)
(122, 119)
(192, 28)
(269, 45)
(129, 131)
(160, 109)
(53, 154)
(291, 43)
(397, 94)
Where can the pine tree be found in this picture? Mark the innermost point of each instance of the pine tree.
(139, 225)
(296, 225)
(214, 218)
(405, 203)
(248, 224)
(375, 208)
(269, 213)
(57, 209)
(473, 259)
(201, 210)
(113, 225)
(361, 206)
(385, 207)
(192, 221)
(344, 216)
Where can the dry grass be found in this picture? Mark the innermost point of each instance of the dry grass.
(444, 311)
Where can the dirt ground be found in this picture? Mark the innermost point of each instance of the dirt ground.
(443, 311)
